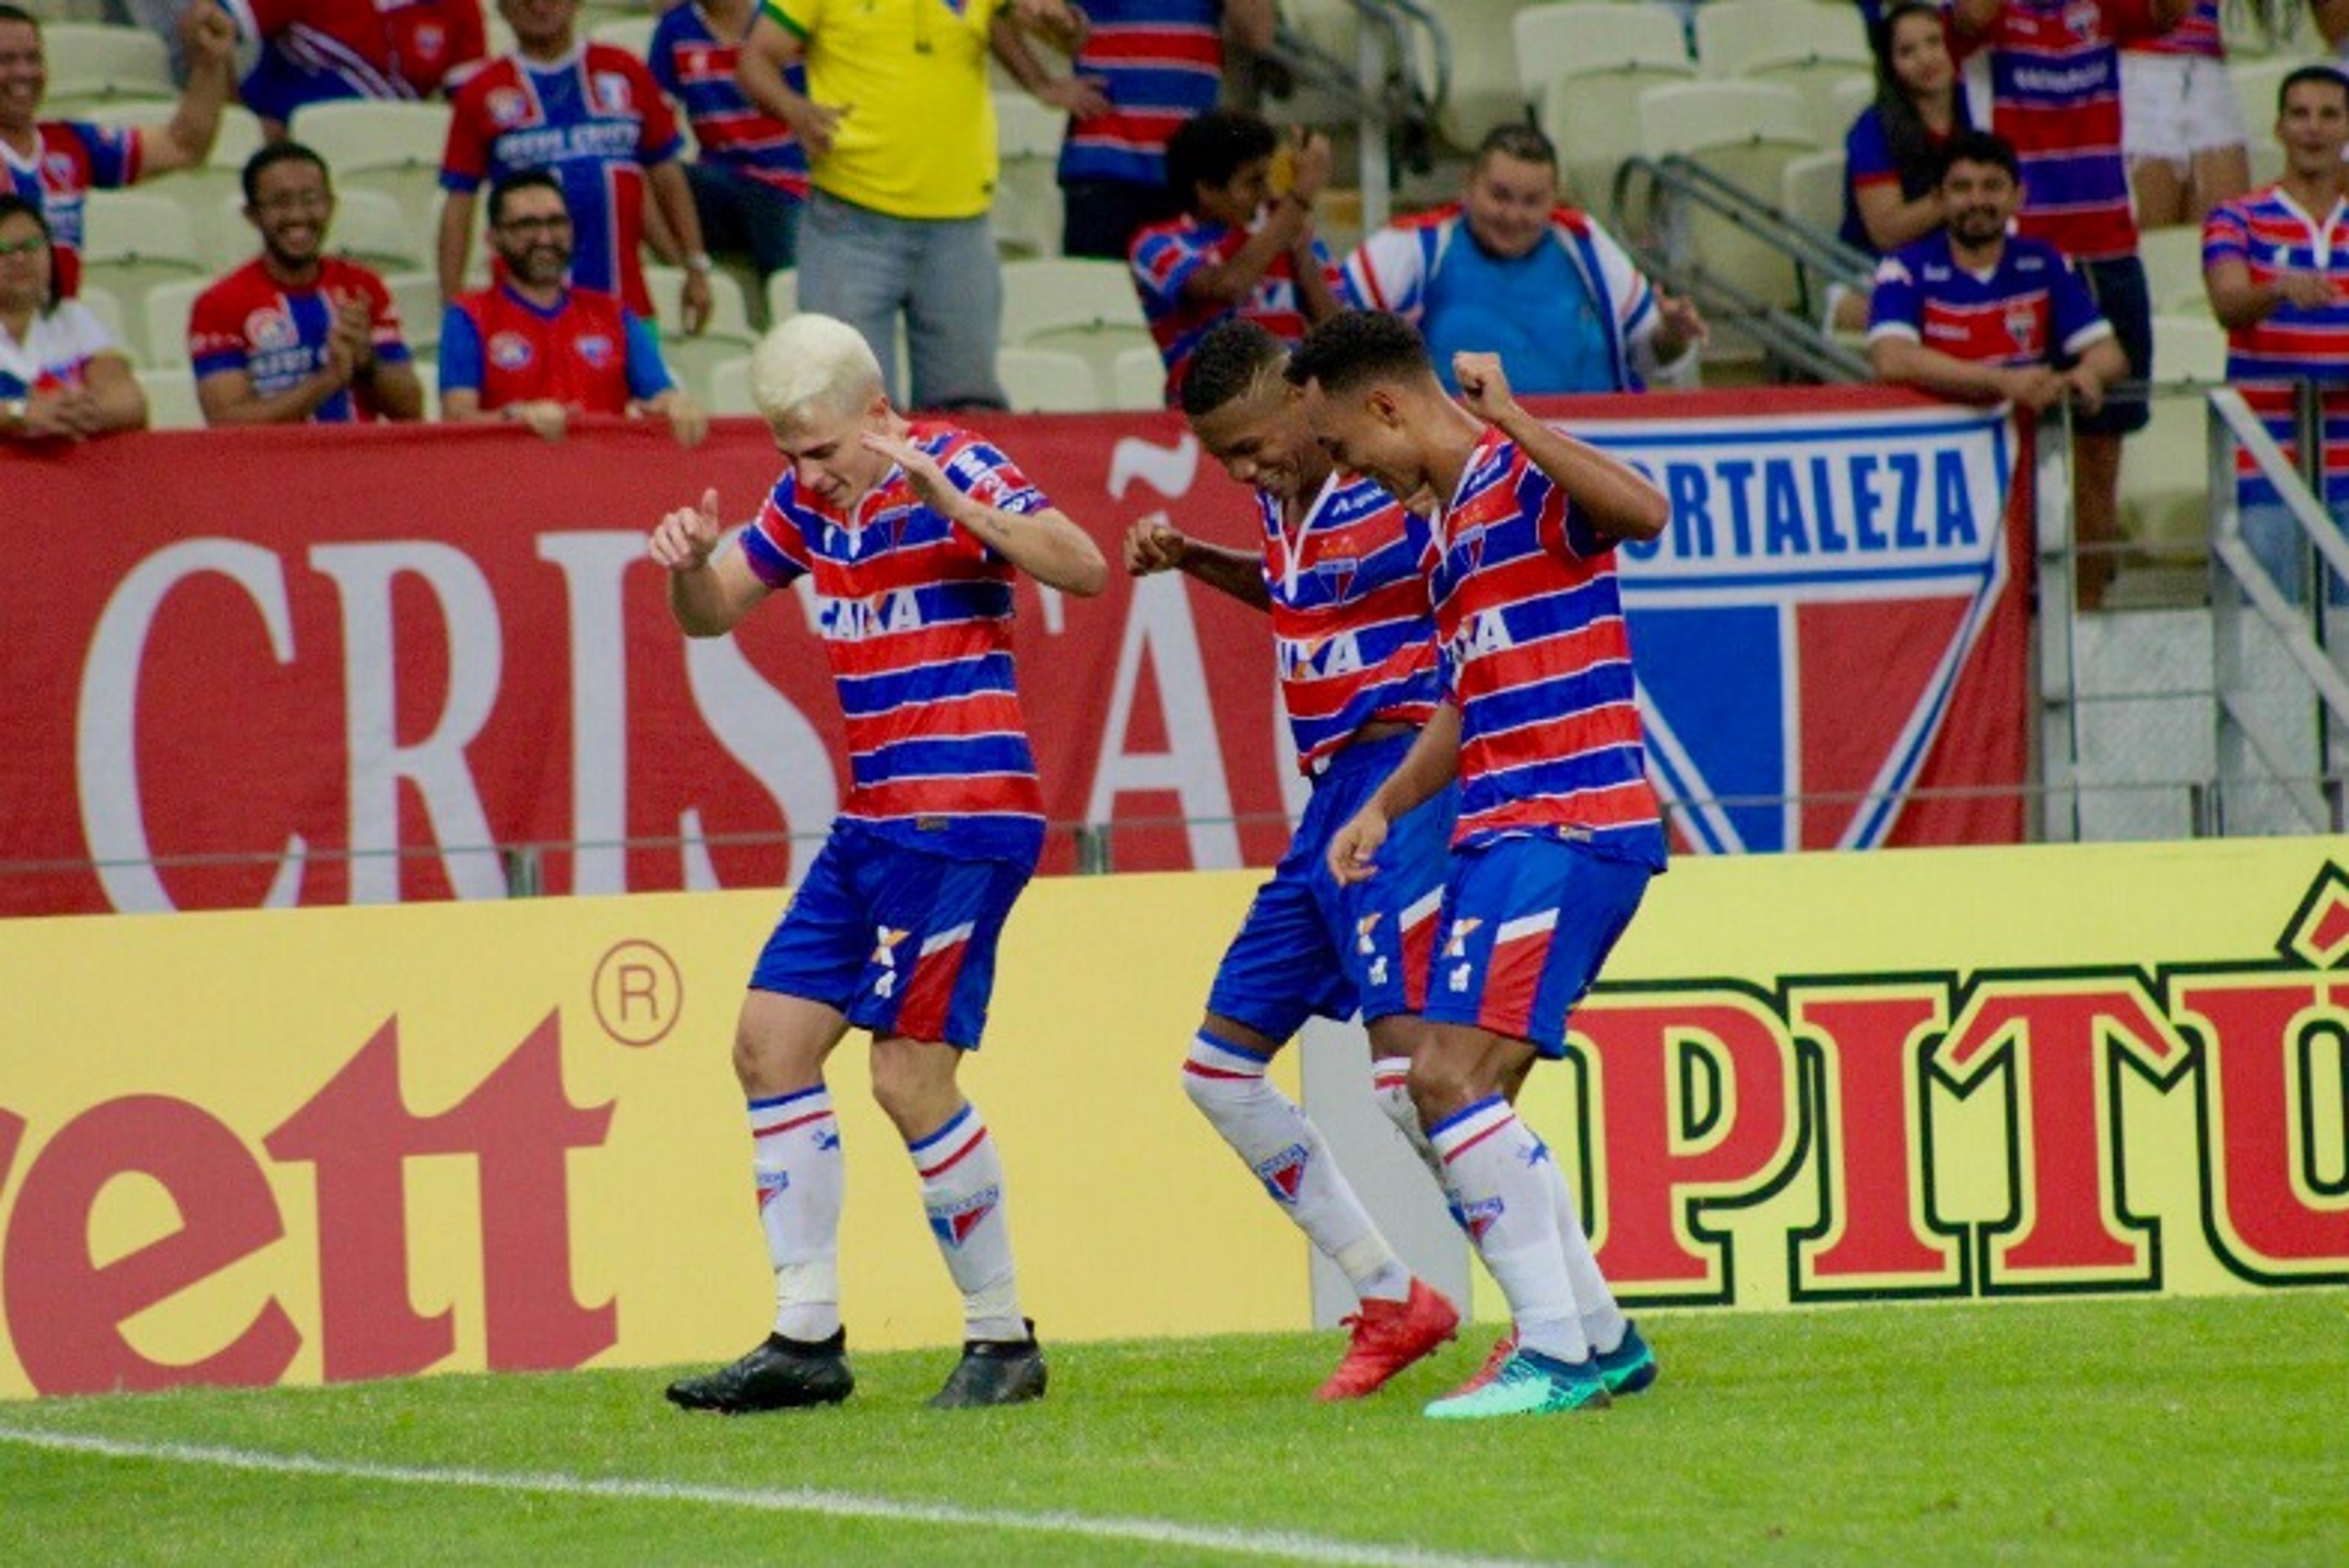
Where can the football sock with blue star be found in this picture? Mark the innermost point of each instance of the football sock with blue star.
(1507, 1204)
(795, 1161)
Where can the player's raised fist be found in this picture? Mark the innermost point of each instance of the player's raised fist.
(682, 541)
(1150, 546)
(1482, 387)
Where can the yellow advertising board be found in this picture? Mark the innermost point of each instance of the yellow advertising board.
(331, 1144)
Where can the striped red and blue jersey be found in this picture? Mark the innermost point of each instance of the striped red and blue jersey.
(276, 333)
(589, 352)
(916, 616)
(2030, 308)
(597, 121)
(316, 51)
(2200, 34)
(2056, 94)
(694, 67)
(1538, 661)
(1165, 256)
(2269, 235)
(1351, 625)
(1159, 63)
(73, 159)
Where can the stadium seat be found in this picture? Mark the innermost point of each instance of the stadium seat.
(1593, 120)
(132, 241)
(168, 307)
(1138, 379)
(2188, 346)
(1850, 97)
(2257, 82)
(1046, 381)
(416, 297)
(92, 68)
(172, 402)
(1810, 189)
(106, 305)
(782, 296)
(1485, 89)
(1746, 133)
(371, 228)
(729, 314)
(634, 34)
(2173, 268)
(2165, 480)
(1584, 38)
(428, 375)
(1817, 76)
(386, 146)
(1734, 36)
(1088, 307)
(729, 388)
(1027, 212)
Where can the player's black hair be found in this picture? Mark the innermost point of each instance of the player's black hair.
(1209, 148)
(1228, 361)
(1358, 347)
(506, 185)
(269, 157)
(13, 205)
(1979, 146)
(2330, 76)
(1522, 142)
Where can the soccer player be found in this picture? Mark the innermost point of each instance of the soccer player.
(297, 334)
(1340, 571)
(913, 533)
(1557, 833)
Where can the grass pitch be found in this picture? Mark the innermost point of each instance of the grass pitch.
(2148, 1432)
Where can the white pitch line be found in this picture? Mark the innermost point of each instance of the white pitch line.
(1281, 1546)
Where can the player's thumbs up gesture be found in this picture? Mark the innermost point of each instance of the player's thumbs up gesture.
(683, 539)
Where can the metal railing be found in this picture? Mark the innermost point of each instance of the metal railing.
(1384, 88)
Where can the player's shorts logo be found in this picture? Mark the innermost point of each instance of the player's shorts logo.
(952, 1224)
(509, 350)
(1364, 928)
(1283, 1175)
(1455, 941)
(885, 945)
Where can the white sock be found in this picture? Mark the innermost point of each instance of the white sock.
(1511, 1216)
(1602, 1320)
(795, 1158)
(962, 1189)
(1391, 1087)
(1280, 1144)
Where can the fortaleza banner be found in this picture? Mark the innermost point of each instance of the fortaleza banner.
(267, 668)
(335, 1144)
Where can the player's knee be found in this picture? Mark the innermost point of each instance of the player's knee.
(1440, 1085)
(914, 1085)
(1217, 1077)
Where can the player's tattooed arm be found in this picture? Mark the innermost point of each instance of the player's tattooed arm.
(1152, 546)
(1046, 545)
(1610, 494)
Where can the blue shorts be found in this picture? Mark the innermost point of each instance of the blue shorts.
(1310, 947)
(900, 941)
(1527, 923)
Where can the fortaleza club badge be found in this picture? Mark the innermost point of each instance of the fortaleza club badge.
(953, 1222)
(1840, 564)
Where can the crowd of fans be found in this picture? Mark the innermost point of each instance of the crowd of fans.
(2011, 152)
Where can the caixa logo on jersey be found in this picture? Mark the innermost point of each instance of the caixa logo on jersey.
(1835, 566)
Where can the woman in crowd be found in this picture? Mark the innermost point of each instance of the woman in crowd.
(61, 377)
(1891, 154)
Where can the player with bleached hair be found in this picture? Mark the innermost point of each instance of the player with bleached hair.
(913, 532)
(1558, 831)
(1339, 571)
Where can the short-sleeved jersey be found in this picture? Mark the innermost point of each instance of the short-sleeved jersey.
(1537, 659)
(1351, 626)
(921, 141)
(73, 158)
(1159, 63)
(1429, 270)
(2269, 233)
(589, 352)
(696, 68)
(276, 334)
(2031, 309)
(316, 51)
(2055, 94)
(55, 354)
(1868, 160)
(916, 616)
(2198, 34)
(597, 121)
(1165, 256)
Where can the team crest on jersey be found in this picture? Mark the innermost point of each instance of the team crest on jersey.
(509, 350)
(1283, 1175)
(610, 91)
(952, 1224)
(57, 171)
(1470, 543)
(1801, 550)
(1338, 575)
(271, 327)
(429, 38)
(507, 106)
(2022, 328)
